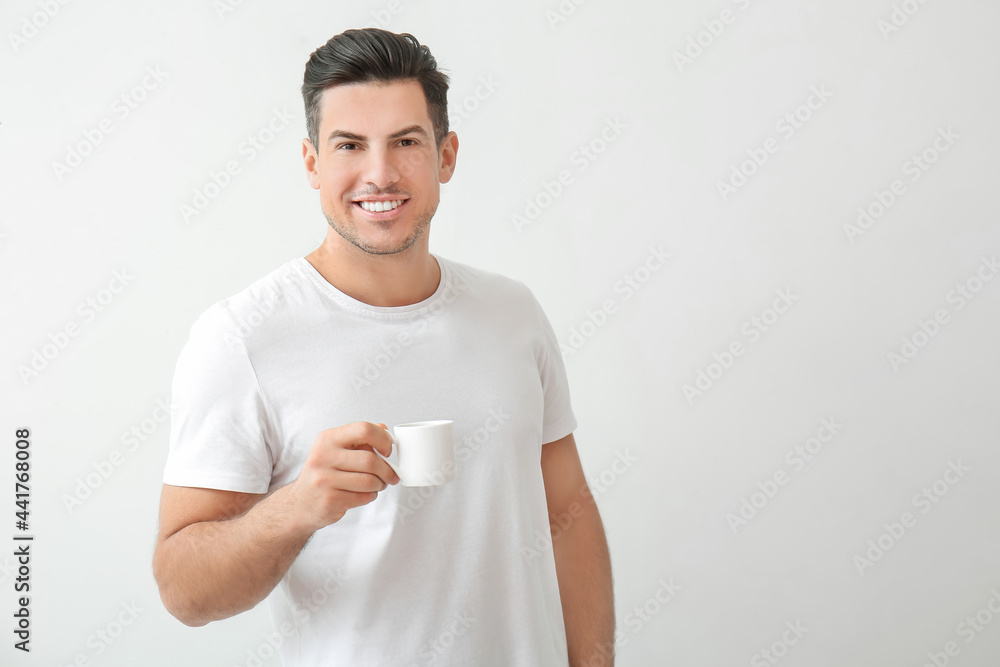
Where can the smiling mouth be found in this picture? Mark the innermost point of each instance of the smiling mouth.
(380, 206)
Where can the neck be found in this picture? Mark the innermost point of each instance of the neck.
(400, 279)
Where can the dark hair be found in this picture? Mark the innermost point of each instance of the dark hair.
(374, 55)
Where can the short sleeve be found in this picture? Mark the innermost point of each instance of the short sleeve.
(559, 420)
(218, 424)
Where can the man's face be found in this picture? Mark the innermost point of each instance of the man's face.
(377, 167)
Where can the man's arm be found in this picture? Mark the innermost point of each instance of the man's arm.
(219, 553)
(583, 565)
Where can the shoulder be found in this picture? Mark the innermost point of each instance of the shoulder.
(252, 310)
(502, 303)
(480, 283)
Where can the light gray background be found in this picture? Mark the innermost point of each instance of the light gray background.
(683, 466)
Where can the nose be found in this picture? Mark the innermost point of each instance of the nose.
(380, 168)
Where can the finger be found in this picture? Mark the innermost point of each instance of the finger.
(365, 434)
(359, 482)
(366, 461)
(357, 498)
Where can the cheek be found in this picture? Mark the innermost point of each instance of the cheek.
(334, 190)
(414, 166)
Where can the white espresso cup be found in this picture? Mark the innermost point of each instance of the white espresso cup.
(423, 453)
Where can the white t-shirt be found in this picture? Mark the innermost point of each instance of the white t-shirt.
(459, 574)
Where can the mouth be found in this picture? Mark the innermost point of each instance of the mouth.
(382, 207)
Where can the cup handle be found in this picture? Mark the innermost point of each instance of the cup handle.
(392, 465)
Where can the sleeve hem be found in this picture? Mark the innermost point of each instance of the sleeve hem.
(559, 430)
(217, 482)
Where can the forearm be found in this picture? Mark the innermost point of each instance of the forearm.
(583, 567)
(215, 569)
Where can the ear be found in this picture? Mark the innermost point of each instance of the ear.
(447, 155)
(311, 159)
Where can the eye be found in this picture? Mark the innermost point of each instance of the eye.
(347, 147)
(408, 142)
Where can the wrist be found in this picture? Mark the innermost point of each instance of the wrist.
(285, 511)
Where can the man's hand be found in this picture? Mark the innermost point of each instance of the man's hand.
(219, 553)
(341, 472)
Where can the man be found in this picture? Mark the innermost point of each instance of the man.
(272, 488)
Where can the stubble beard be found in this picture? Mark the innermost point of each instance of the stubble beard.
(349, 233)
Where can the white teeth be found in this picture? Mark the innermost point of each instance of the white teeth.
(379, 206)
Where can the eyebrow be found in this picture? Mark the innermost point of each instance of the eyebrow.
(344, 134)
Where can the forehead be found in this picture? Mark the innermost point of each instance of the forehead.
(375, 107)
